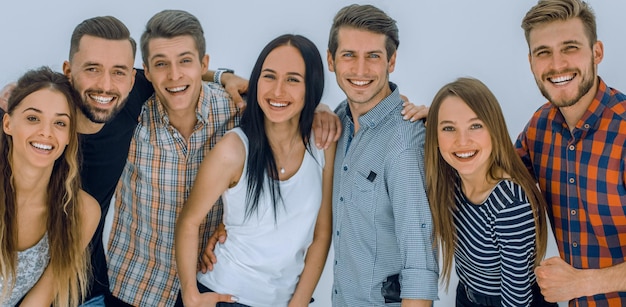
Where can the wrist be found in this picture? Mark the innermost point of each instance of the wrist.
(219, 73)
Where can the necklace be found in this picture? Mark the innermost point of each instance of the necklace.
(282, 168)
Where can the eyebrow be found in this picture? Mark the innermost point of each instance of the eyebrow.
(40, 112)
(452, 122)
(161, 55)
(289, 73)
(120, 66)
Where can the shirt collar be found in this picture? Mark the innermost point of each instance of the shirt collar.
(378, 113)
(593, 113)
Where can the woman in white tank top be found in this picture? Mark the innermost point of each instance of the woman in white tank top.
(276, 188)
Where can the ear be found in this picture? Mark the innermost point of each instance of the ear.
(6, 124)
(329, 59)
(146, 72)
(392, 62)
(205, 63)
(598, 52)
(67, 70)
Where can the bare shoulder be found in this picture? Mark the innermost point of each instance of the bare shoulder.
(90, 210)
(230, 149)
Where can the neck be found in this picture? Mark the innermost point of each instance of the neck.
(184, 122)
(31, 184)
(85, 126)
(358, 109)
(477, 187)
(575, 112)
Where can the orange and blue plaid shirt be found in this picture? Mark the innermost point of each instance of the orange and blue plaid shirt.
(582, 174)
(156, 181)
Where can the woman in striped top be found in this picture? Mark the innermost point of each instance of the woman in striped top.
(488, 213)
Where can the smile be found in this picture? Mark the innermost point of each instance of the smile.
(466, 154)
(41, 146)
(360, 83)
(177, 89)
(278, 104)
(562, 79)
(101, 99)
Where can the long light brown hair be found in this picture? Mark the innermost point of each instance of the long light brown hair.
(68, 258)
(441, 177)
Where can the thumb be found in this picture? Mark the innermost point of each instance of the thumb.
(227, 298)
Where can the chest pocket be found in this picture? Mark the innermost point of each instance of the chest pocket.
(364, 193)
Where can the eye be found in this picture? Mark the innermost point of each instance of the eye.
(32, 118)
(186, 60)
(293, 79)
(91, 69)
(61, 123)
(476, 126)
(570, 48)
(269, 76)
(542, 53)
(119, 73)
(447, 128)
(374, 55)
(159, 64)
(347, 54)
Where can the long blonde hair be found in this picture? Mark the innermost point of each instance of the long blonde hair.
(441, 177)
(69, 260)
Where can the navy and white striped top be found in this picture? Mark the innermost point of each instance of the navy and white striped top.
(495, 249)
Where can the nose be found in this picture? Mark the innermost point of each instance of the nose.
(174, 73)
(360, 66)
(105, 82)
(462, 137)
(45, 130)
(278, 88)
(558, 61)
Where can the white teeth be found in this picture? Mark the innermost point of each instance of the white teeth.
(562, 79)
(359, 83)
(177, 89)
(42, 146)
(278, 104)
(465, 155)
(101, 99)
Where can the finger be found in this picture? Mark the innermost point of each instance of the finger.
(222, 239)
(332, 134)
(227, 298)
(321, 133)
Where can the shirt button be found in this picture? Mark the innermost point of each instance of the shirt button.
(335, 262)
(586, 126)
(573, 212)
(335, 291)
(575, 244)
(337, 232)
(571, 180)
(572, 147)
(345, 167)
(341, 198)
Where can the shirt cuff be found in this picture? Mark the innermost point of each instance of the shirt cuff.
(419, 284)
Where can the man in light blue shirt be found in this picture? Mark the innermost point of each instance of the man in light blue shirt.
(382, 225)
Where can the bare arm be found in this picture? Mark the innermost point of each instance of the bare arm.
(559, 281)
(221, 168)
(318, 251)
(43, 293)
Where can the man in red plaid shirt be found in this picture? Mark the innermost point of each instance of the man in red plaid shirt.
(575, 145)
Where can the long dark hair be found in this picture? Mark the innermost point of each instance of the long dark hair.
(261, 157)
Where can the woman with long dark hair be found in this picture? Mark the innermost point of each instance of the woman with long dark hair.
(276, 187)
(47, 220)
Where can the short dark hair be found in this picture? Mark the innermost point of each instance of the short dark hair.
(107, 27)
(170, 24)
(365, 17)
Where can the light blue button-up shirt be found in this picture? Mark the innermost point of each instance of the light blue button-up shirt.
(382, 223)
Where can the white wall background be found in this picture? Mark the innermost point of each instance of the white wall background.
(440, 41)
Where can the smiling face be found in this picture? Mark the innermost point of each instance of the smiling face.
(281, 86)
(464, 140)
(39, 127)
(564, 62)
(102, 72)
(175, 69)
(361, 67)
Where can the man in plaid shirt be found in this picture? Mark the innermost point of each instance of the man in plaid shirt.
(575, 145)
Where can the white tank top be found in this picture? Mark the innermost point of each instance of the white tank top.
(30, 265)
(262, 258)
